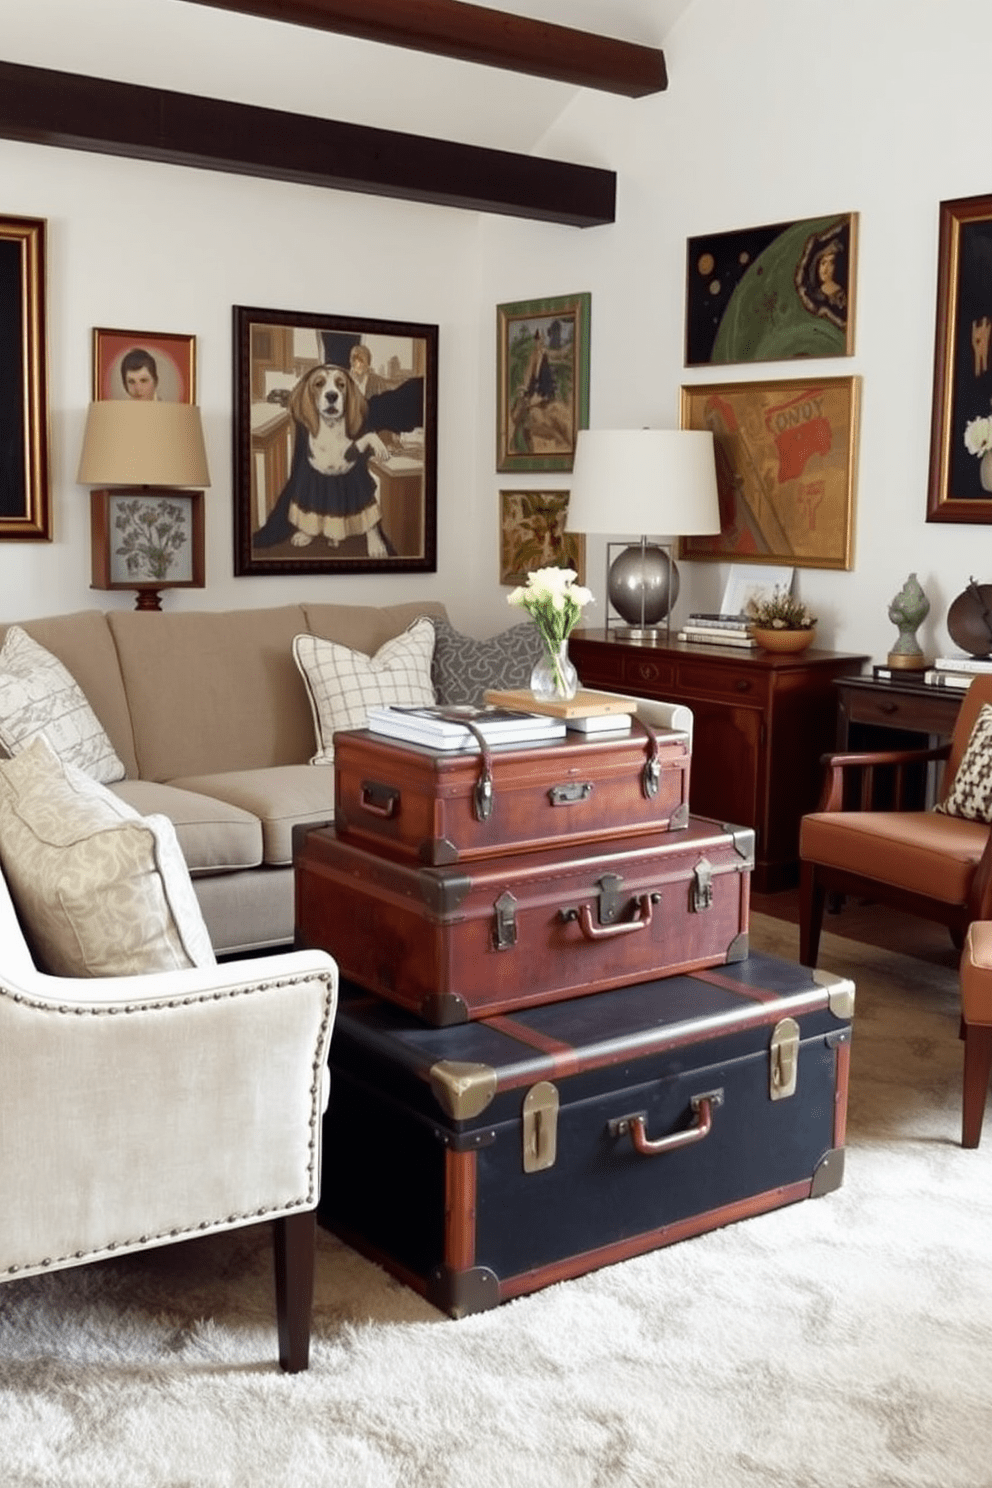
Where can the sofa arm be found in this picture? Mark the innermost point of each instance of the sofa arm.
(839, 768)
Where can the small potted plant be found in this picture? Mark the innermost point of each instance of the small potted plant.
(780, 622)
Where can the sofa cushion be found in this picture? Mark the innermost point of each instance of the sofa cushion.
(970, 794)
(463, 668)
(215, 837)
(100, 890)
(277, 799)
(343, 684)
(38, 695)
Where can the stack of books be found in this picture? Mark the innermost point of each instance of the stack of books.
(442, 728)
(719, 630)
(957, 671)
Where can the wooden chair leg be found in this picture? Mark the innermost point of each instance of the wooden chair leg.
(294, 1237)
(812, 898)
(977, 1069)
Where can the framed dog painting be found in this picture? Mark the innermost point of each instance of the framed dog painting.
(25, 496)
(335, 444)
(542, 382)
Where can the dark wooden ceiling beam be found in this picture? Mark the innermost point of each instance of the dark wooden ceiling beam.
(476, 33)
(84, 113)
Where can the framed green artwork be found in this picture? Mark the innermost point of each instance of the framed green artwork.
(542, 393)
(532, 535)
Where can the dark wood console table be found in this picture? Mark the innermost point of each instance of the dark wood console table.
(762, 721)
(907, 704)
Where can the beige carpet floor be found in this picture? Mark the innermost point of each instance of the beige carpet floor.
(844, 1342)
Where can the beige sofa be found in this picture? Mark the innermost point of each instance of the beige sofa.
(211, 719)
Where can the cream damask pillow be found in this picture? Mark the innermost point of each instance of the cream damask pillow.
(970, 794)
(101, 891)
(39, 696)
(343, 685)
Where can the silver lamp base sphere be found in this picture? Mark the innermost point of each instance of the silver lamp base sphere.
(643, 585)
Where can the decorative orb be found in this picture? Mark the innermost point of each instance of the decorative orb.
(650, 573)
(966, 624)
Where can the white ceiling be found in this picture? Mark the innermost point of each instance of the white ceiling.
(194, 48)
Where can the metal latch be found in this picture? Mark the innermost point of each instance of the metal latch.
(701, 887)
(783, 1059)
(540, 1127)
(504, 922)
(610, 886)
(570, 792)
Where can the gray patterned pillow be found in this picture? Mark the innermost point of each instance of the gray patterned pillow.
(39, 696)
(970, 794)
(463, 668)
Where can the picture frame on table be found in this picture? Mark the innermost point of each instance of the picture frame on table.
(542, 381)
(747, 582)
(771, 293)
(960, 474)
(25, 481)
(786, 466)
(335, 444)
(147, 540)
(532, 535)
(146, 366)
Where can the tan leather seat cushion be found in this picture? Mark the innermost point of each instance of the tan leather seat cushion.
(917, 850)
(976, 973)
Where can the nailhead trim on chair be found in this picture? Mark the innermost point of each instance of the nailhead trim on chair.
(316, 1113)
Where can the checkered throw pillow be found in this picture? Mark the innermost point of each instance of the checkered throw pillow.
(970, 794)
(343, 685)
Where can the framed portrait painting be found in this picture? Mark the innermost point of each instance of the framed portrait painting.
(786, 465)
(144, 365)
(25, 494)
(765, 294)
(542, 382)
(532, 535)
(335, 444)
(960, 485)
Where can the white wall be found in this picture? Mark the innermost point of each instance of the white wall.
(778, 110)
(775, 110)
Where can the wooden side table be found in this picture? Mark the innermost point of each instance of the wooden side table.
(908, 705)
(762, 722)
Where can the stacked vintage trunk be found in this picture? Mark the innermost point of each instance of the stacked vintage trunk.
(536, 1067)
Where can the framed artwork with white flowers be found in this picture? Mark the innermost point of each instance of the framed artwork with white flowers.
(960, 488)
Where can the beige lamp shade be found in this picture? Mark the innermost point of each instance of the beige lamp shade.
(131, 443)
(634, 482)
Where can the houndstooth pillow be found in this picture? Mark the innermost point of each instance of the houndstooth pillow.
(343, 685)
(970, 794)
(465, 669)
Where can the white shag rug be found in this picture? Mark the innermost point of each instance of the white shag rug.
(844, 1342)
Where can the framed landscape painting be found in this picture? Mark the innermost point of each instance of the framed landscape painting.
(25, 495)
(335, 444)
(764, 294)
(542, 382)
(786, 465)
(960, 486)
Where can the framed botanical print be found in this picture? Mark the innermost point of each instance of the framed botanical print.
(147, 540)
(960, 486)
(786, 466)
(335, 444)
(25, 494)
(146, 366)
(542, 382)
(532, 535)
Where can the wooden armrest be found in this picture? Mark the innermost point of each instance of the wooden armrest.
(836, 766)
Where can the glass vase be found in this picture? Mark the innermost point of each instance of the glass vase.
(554, 677)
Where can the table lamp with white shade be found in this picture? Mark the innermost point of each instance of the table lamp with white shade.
(647, 482)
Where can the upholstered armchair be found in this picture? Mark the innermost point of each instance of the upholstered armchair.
(138, 1111)
(937, 864)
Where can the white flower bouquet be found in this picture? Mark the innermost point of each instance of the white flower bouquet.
(978, 435)
(555, 603)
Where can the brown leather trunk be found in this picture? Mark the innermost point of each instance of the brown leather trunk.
(438, 807)
(470, 940)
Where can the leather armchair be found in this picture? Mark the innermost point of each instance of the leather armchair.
(140, 1111)
(933, 865)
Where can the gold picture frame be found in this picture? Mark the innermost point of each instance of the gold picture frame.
(786, 462)
(143, 364)
(960, 480)
(532, 535)
(25, 489)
